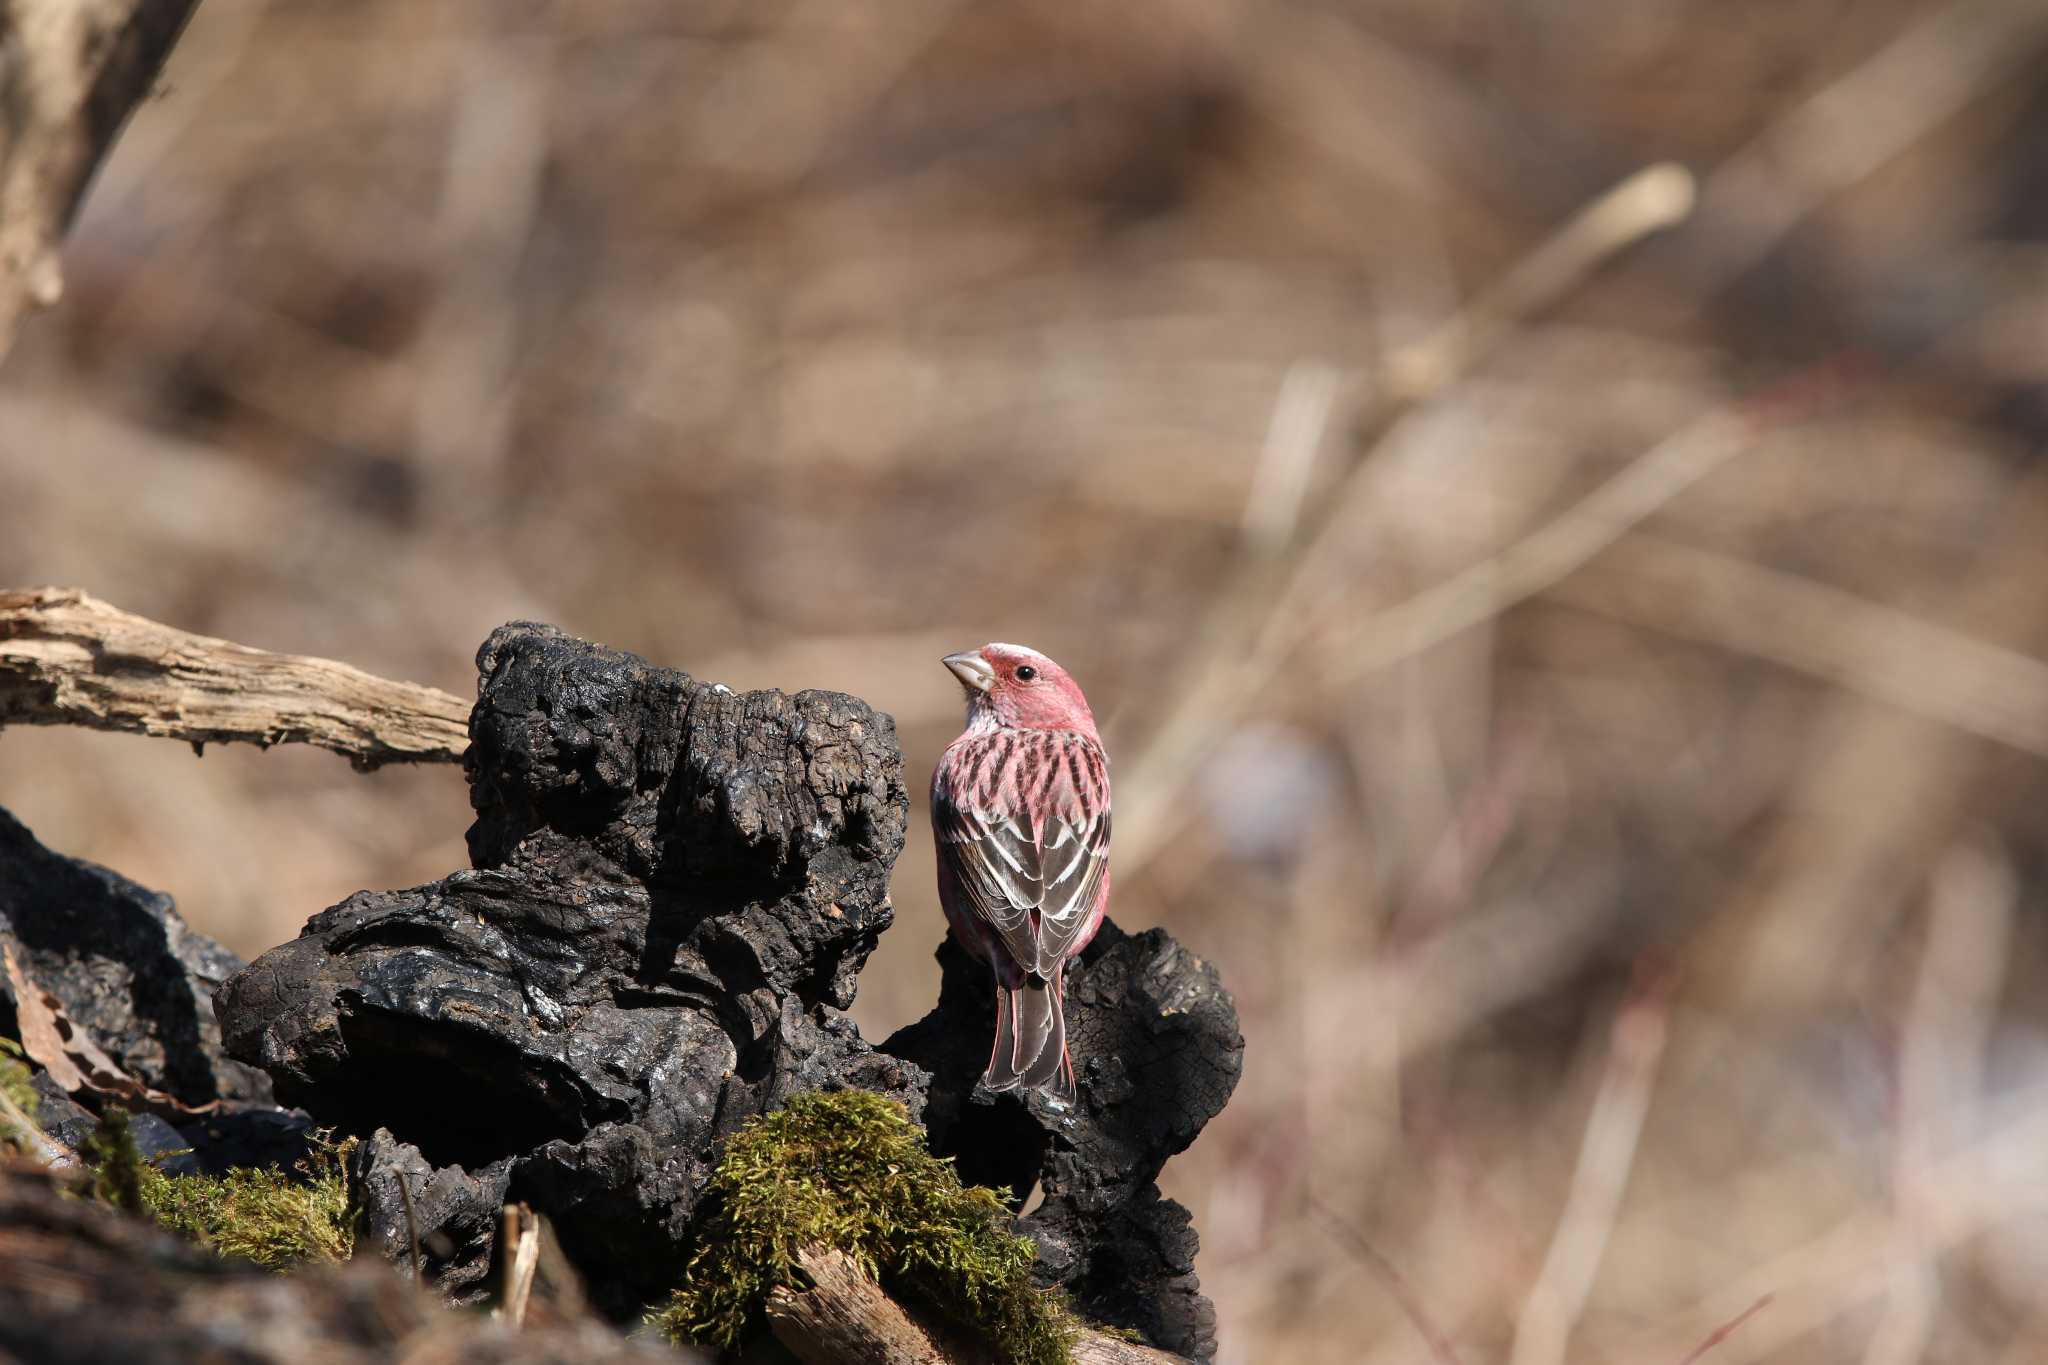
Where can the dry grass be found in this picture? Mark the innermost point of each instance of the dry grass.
(1629, 881)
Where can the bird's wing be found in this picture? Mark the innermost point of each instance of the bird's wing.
(1024, 828)
(1074, 859)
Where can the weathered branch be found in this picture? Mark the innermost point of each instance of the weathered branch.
(67, 658)
(70, 72)
(845, 1318)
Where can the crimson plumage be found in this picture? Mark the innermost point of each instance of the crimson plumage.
(1020, 810)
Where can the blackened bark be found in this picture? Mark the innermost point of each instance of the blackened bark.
(675, 889)
(1157, 1053)
(123, 965)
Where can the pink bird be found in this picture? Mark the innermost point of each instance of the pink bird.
(1020, 807)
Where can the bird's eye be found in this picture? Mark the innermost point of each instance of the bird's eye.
(1025, 672)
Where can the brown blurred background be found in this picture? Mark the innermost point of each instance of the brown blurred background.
(1605, 762)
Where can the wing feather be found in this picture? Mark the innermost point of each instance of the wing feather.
(1032, 881)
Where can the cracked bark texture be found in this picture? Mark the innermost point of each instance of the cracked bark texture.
(1157, 1053)
(675, 888)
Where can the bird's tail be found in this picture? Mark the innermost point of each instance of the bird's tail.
(1031, 1038)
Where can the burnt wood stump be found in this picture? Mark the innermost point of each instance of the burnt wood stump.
(674, 889)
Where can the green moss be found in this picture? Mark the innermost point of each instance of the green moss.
(268, 1216)
(14, 1080)
(850, 1170)
(117, 1167)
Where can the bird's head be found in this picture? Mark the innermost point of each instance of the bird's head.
(1013, 686)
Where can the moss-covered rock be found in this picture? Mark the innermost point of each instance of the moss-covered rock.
(850, 1170)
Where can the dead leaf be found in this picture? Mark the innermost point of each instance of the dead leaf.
(57, 1044)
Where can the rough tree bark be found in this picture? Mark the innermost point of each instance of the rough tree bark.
(1158, 1053)
(70, 72)
(67, 658)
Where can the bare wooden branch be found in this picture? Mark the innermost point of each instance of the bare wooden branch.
(70, 72)
(845, 1318)
(67, 658)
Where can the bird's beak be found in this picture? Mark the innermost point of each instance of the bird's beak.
(972, 670)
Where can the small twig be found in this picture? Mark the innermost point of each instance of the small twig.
(1992, 1182)
(1389, 1275)
(519, 1242)
(1845, 132)
(1606, 1155)
(1725, 1330)
(1647, 202)
(1532, 565)
(1294, 437)
(67, 658)
(1878, 651)
(1653, 199)
(1948, 1020)
(412, 1226)
(1543, 558)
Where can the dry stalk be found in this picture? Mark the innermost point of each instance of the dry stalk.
(519, 1243)
(1877, 651)
(1993, 1181)
(1606, 1155)
(1941, 1058)
(1224, 678)
(1388, 1274)
(1840, 136)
